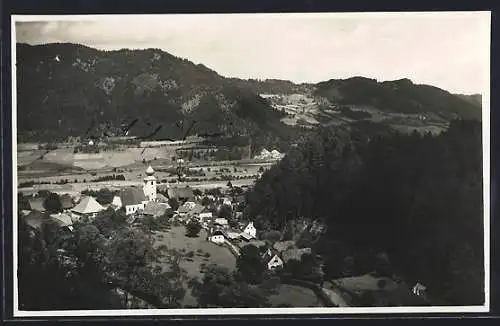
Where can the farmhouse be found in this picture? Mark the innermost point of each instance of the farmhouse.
(62, 220)
(205, 214)
(221, 222)
(87, 206)
(250, 230)
(217, 237)
(36, 204)
(274, 262)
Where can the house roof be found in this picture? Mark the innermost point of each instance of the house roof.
(35, 219)
(284, 245)
(62, 219)
(233, 235)
(185, 192)
(36, 204)
(66, 201)
(294, 254)
(87, 205)
(161, 198)
(132, 196)
(246, 236)
(184, 209)
(155, 209)
(117, 201)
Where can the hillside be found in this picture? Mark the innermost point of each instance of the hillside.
(73, 90)
(416, 198)
(65, 89)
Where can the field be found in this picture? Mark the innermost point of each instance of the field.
(204, 253)
(295, 296)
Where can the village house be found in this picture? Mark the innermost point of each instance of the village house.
(217, 237)
(62, 220)
(36, 204)
(205, 214)
(87, 206)
(250, 230)
(274, 263)
(222, 222)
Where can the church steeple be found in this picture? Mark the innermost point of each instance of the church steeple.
(149, 186)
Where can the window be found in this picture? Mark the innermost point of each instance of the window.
(151, 182)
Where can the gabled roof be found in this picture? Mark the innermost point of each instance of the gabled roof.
(66, 201)
(155, 209)
(35, 219)
(36, 204)
(117, 201)
(88, 205)
(246, 236)
(62, 219)
(132, 196)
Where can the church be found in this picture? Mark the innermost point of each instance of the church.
(133, 199)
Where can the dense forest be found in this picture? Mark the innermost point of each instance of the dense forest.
(416, 198)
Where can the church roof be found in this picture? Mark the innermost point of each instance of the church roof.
(87, 205)
(149, 170)
(155, 209)
(132, 196)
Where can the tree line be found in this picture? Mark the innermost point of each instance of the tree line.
(417, 198)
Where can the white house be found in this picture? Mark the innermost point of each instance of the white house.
(274, 263)
(205, 214)
(217, 237)
(226, 201)
(88, 206)
(117, 202)
(250, 230)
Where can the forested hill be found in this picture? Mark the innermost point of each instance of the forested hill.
(399, 96)
(417, 198)
(65, 89)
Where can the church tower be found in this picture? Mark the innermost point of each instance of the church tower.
(149, 187)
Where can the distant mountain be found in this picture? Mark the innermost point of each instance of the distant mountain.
(67, 89)
(398, 96)
(73, 90)
(473, 98)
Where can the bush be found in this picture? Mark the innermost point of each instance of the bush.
(207, 255)
(190, 254)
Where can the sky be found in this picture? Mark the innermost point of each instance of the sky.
(447, 50)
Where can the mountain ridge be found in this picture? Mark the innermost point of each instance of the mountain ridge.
(82, 86)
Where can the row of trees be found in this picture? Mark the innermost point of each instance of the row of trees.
(416, 197)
